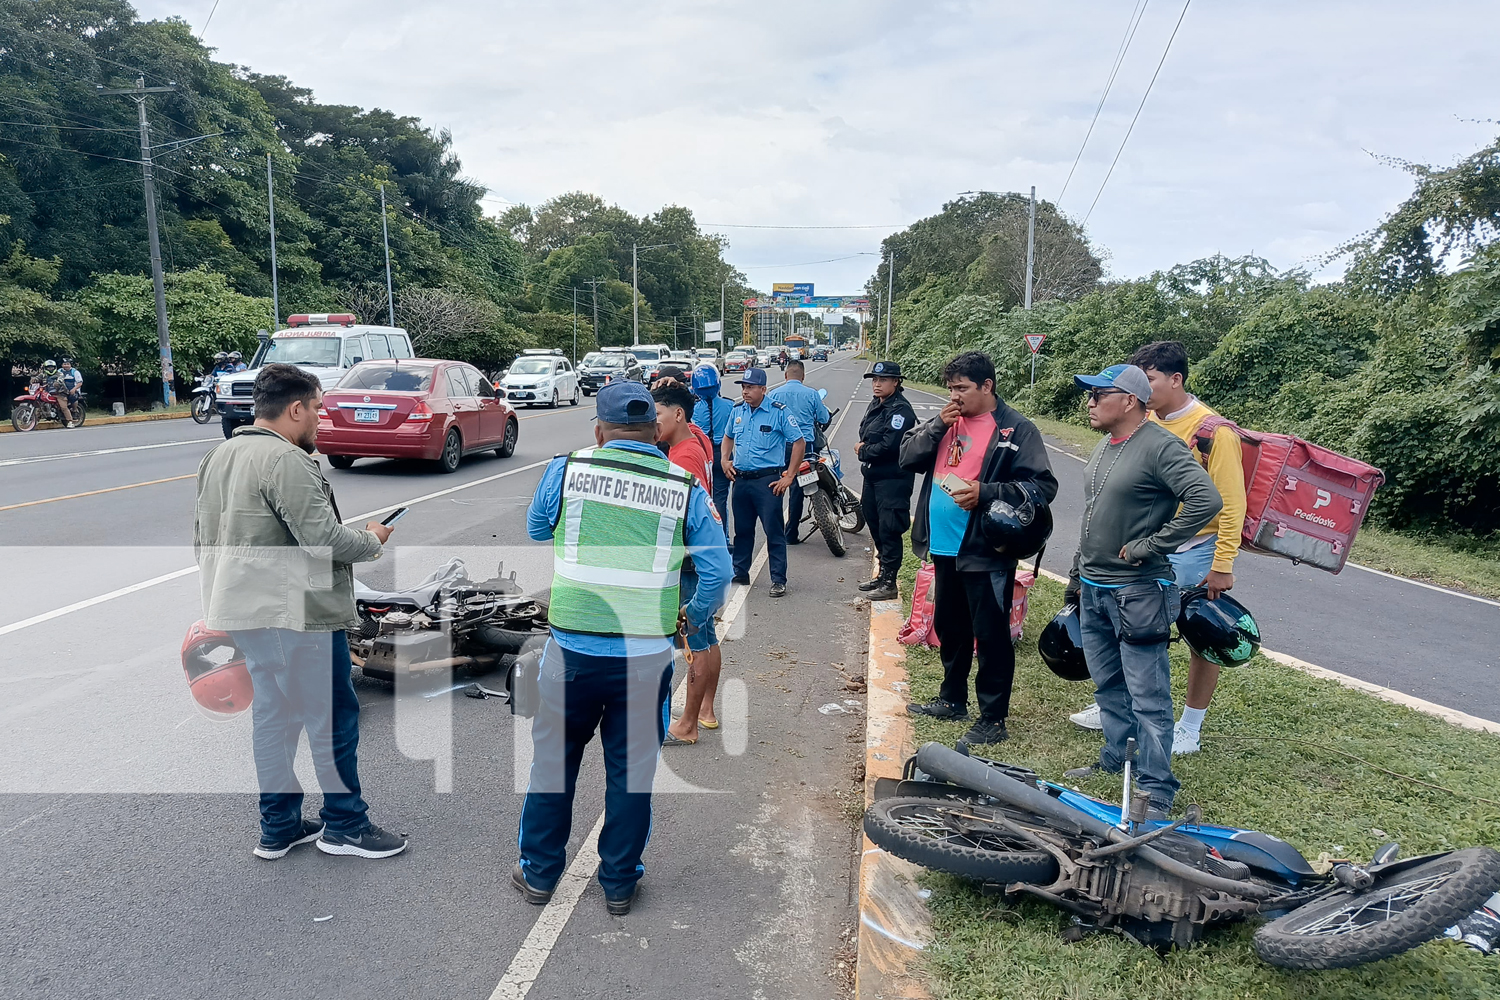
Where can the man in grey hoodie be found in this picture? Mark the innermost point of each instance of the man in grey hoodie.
(1144, 496)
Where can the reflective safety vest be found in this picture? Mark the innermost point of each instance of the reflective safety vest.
(619, 543)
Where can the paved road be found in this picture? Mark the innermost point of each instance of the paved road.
(128, 816)
(1424, 642)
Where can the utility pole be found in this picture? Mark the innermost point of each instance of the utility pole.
(890, 287)
(594, 283)
(722, 341)
(158, 282)
(385, 239)
(1030, 245)
(635, 299)
(575, 328)
(271, 203)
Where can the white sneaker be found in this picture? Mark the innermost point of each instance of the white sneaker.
(1184, 740)
(1088, 718)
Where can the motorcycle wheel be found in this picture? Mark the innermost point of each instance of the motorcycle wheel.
(23, 416)
(1396, 914)
(80, 414)
(203, 408)
(854, 516)
(930, 832)
(828, 524)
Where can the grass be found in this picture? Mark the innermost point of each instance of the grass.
(1251, 773)
(1463, 562)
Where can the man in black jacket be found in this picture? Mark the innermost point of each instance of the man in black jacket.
(887, 492)
(971, 448)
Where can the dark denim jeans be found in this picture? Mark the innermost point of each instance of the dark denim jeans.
(1135, 691)
(721, 489)
(302, 682)
(626, 700)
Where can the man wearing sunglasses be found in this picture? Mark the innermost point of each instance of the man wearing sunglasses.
(1144, 495)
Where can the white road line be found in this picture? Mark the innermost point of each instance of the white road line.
(144, 584)
(105, 451)
(527, 964)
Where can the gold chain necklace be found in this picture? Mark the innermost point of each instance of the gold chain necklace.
(1097, 484)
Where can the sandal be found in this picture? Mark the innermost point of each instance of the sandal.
(705, 724)
(677, 741)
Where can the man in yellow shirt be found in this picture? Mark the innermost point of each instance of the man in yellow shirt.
(1206, 560)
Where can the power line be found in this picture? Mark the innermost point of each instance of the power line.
(1186, 4)
(1136, 16)
(735, 225)
(809, 263)
(209, 20)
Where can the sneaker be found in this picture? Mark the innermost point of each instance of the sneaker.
(986, 731)
(273, 849)
(778, 589)
(372, 842)
(534, 896)
(872, 584)
(885, 592)
(1088, 718)
(741, 578)
(618, 906)
(1185, 740)
(940, 709)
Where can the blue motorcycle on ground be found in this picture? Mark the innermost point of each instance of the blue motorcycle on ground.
(1161, 883)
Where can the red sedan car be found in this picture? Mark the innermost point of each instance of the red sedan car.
(414, 408)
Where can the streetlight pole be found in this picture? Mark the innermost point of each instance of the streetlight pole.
(635, 289)
(1030, 245)
(385, 239)
(890, 286)
(271, 204)
(575, 328)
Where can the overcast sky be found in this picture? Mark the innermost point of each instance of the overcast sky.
(1256, 138)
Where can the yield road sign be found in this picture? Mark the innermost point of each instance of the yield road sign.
(1034, 341)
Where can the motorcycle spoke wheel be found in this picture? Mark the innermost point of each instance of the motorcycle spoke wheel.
(823, 517)
(956, 837)
(1396, 914)
(23, 416)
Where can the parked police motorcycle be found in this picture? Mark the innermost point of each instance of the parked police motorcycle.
(203, 408)
(833, 507)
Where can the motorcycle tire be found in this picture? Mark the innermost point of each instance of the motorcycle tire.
(914, 828)
(203, 408)
(827, 522)
(854, 520)
(23, 416)
(1397, 913)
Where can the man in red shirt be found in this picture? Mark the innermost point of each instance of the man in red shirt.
(689, 448)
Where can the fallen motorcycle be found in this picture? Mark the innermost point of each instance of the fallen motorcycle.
(447, 622)
(1161, 883)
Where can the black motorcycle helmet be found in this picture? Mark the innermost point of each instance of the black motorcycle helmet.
(1221, 631)
(1018, 523)
(1061, 645)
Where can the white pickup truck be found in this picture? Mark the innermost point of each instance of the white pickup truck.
(326, 344)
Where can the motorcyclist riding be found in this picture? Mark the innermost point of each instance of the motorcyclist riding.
(74, 380)
(222, 363)
(54, 382)
(237, 362)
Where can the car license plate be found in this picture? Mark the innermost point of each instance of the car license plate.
(367, 416)
(808, 479)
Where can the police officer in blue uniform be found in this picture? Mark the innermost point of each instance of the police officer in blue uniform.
(711, 414)
(597, 673)
(755, 447)
(806, 406)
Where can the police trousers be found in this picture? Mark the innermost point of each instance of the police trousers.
(753, 500)
(886, 504)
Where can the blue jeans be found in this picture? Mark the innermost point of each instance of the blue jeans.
(302, 682)
(753, 500)
(794, 496)
(721, 487)
(1134, 691)
(626, 700)
(1191, 568)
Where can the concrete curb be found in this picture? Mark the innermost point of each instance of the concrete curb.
(129, 418)
(894, 922)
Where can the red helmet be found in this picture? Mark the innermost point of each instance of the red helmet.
(216, 671)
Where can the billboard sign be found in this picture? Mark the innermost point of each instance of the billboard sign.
(713, 333)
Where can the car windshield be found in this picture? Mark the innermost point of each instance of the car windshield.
(607, 361)
(647, 353)
(531, 366)
(304, 351)
(390, 377)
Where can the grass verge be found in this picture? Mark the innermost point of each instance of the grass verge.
(1266, 764)
(1465, 563)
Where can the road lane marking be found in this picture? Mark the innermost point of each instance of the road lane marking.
(104, 451)
(537, 947)
(94, 493)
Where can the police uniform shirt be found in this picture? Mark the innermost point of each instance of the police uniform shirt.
(761, 435)
(804, 404)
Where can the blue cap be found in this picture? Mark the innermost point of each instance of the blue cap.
(755, 376)
(705, 377)
(625, 403)
(1127, 377)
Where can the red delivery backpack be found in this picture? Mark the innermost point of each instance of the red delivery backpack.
(1302, 502)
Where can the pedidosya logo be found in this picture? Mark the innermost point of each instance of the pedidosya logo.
(1326, 522)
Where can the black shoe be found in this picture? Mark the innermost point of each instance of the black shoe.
(273, 849)
(986, 731)
(619, 906)
(885, 592)
(372, 842)
(778, 589)
(741, 578)
(873, 584)
(940, 709)
(534, 896)
(792, 539)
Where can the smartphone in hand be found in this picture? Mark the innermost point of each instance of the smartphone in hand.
(394, 516)
(952, 484)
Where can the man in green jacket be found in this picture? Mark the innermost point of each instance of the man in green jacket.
(276, 567)
(1144, 495)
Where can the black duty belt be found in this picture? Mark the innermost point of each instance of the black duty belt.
(756, 473)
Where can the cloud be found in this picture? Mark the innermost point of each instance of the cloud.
(842, 113)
